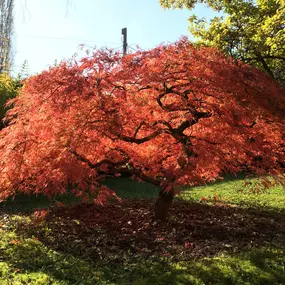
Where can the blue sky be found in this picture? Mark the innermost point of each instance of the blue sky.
(50, 30)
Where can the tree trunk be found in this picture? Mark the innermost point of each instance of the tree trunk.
(264, 64)
(162, 204)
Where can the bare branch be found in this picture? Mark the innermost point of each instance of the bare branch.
(141, 140)
(98, 164)
(138, 128)
(120, 167)
(186, 124)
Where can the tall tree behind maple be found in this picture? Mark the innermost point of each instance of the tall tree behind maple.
(175, 115)
(253, 31)
(6, 27)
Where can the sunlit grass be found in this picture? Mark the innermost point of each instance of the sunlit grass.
(26, 259)
(236, 193)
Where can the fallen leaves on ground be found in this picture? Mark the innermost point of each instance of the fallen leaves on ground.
(114, 232)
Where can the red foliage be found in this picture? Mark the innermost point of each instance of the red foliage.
(40, 214)
(174, 115)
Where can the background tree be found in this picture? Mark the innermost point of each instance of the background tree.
(253, 31)
(8, 90)
(171, 116)
(6, 26)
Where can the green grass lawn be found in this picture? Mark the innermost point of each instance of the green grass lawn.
(235, 193)
(217, 234)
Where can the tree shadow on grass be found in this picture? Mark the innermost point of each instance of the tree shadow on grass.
(123, 244)
(39, 262)
(123, 186)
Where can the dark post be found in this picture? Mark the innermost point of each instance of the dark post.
(124, 33)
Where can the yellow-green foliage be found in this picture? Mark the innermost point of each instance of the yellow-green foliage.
(250, 30)
(8, 90)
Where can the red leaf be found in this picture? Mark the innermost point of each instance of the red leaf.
(188, 244)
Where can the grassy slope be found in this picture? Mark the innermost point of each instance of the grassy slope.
(231, 237)
(235, 193)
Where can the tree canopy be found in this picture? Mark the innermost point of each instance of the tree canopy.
(174, 115)
(253, 31)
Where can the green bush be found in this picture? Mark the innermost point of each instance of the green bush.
(8, 89)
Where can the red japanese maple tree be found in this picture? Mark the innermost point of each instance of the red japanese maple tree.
(174, 115)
